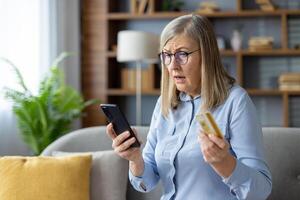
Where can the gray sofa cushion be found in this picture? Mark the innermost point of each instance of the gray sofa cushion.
(282, 154)
(109, 175)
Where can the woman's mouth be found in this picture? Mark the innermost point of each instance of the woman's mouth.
(179, 79)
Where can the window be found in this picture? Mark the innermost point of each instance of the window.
(20, 42)
(21, 23)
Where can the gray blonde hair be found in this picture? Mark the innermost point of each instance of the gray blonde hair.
(215, 81)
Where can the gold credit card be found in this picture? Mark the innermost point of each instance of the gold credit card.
(208, 124)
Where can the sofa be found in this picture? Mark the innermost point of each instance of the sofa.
(281, 148)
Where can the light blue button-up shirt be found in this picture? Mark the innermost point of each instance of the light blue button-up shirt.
(173, 156)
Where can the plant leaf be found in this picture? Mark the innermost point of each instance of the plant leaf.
(19, 76)
(60, 58)
(91, 102)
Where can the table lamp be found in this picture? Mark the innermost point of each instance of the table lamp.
(139, 47)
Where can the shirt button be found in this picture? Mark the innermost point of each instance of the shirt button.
(232, 192)
(142, 185)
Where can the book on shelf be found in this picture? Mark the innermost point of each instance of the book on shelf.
(208, 7)
(151, 6)
(128, 78)
(260, 43)
(265, 5)
(289, 81)
(289, 87)
(289, 77)
(142, 6)
(133, 6)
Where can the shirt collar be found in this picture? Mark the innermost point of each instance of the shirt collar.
(185, 97)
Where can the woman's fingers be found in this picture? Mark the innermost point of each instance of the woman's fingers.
(218, 141)
(110, 131)
(212, 139)
(207, 145)
(213, 148)
(125, 145)
(117, 141)
(127, 153)
(121, 143)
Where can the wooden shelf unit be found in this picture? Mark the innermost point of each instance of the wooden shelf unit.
(97, 56)
(169, 15)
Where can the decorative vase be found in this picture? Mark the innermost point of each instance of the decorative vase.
(221, 43)
(236, 40)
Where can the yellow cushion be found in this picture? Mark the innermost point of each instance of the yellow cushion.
(30, 178)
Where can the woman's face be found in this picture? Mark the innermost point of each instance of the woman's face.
(187, 77)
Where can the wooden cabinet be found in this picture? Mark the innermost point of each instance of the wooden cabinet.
(101, 73)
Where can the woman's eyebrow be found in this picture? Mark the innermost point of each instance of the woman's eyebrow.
(166, 50)
(177, 49)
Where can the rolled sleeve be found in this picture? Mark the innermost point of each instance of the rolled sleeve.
(248, 183)
(146, 182)
(239, 180)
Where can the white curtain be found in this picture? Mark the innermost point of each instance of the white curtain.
(32, 34)
(20, 36)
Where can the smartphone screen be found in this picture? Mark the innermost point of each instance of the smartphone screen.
(117, 118)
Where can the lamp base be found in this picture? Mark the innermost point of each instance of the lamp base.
(138, 93)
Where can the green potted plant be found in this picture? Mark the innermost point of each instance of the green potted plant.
(44, 117)
(172, 5)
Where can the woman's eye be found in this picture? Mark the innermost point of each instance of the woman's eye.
(166, 54)
(182, 54)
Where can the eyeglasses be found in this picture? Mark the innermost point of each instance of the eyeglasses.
(181, 57)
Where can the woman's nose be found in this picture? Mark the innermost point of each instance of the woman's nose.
(174, 64)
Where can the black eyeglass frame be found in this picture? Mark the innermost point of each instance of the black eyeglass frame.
(160, 55)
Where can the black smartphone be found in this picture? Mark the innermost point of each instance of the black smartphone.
(120, 123)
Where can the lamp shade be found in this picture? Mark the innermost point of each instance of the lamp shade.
(137, 46)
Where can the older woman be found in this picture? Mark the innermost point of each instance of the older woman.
(191, 164)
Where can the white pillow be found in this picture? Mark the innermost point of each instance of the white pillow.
(109, 175)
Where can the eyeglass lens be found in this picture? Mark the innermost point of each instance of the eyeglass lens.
(180, 57)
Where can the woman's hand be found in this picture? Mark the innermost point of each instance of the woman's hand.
(121, 146)
(216, 152)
